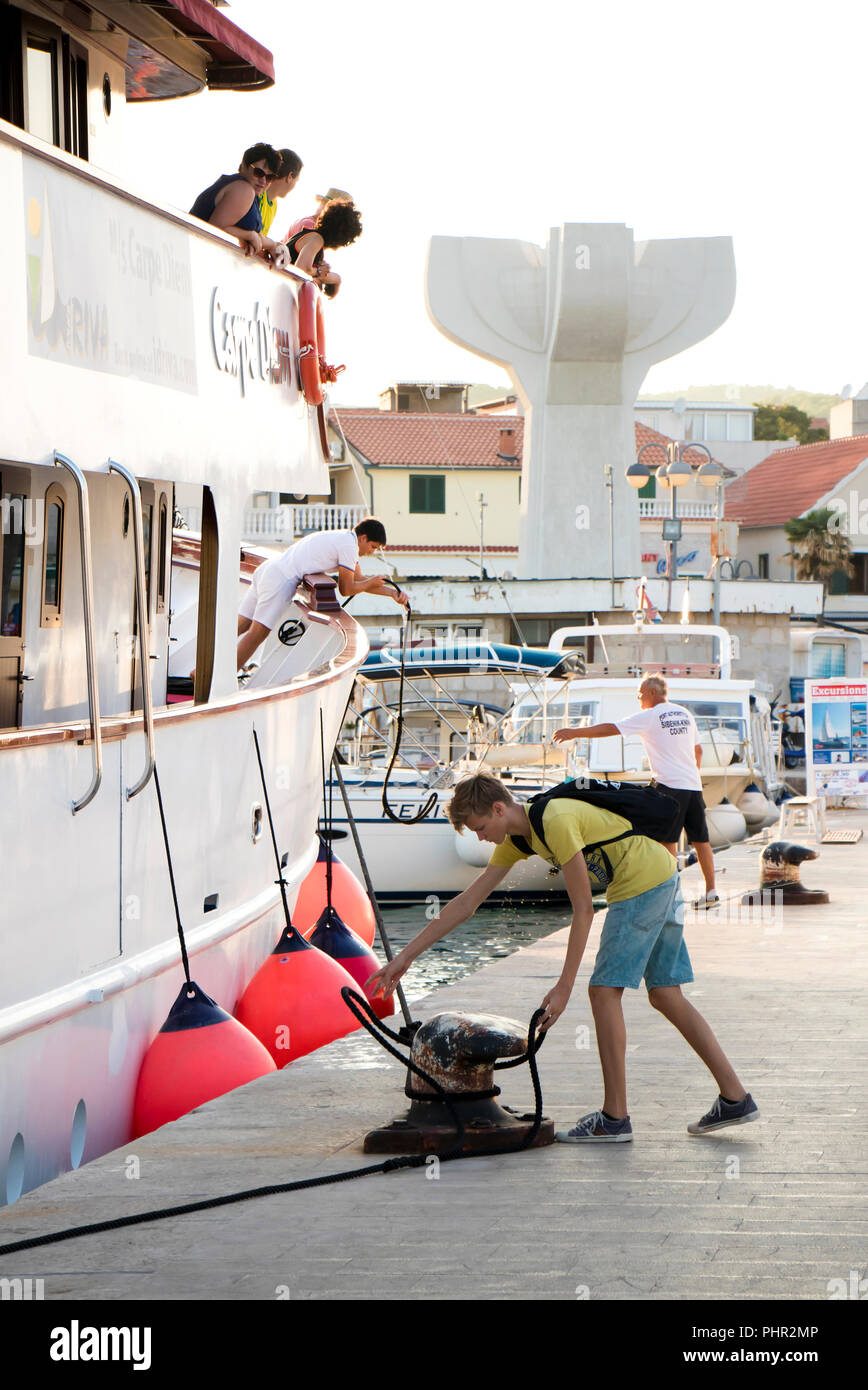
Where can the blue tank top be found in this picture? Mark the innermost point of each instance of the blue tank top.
(207, 201)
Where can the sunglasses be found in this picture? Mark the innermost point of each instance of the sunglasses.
(264, 173)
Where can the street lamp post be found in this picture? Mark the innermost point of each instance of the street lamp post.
(675, 471)
(711, 474)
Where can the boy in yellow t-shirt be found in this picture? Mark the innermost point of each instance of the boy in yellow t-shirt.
(642, 936)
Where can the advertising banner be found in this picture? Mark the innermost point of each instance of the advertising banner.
(836, 737)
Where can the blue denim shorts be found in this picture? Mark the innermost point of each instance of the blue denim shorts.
(644, 936)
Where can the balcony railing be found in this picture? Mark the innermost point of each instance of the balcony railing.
(283, 525)
(662, 507)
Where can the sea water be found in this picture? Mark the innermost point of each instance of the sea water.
(492, 933)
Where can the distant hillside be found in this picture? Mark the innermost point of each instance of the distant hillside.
(477, 394)
(813, 403)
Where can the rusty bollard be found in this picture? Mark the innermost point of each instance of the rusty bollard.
(459, 1052)
(779, 878)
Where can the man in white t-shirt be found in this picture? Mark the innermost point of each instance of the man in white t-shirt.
(668, 732)
(274, 583)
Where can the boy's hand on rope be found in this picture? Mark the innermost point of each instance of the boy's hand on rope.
(553, 1005)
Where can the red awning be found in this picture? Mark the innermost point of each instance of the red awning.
(238, 62)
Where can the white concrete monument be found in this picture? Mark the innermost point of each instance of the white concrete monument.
(577, 325)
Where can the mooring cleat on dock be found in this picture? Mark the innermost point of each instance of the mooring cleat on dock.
(779, 878)
(459, 1053)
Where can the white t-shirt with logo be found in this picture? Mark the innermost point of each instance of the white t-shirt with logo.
(322, 552)
(669, 734)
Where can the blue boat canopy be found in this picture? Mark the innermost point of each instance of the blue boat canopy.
(469, 658)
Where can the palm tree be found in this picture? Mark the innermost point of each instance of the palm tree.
(818, 551)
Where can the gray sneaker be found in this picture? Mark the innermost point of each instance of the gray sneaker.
(597, 1129)
(723, 1113)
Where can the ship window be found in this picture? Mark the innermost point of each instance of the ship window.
(161, 560)
(711, 715)
(40, 85)
(533, 724)
(75, 98)
(427, 494)
(52, 564)
(147, 530)
(12, 574)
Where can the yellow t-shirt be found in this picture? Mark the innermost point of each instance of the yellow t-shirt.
(638, 864)
(267, 211)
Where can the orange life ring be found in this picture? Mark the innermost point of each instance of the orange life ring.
(310, 338)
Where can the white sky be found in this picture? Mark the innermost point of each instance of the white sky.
(502, 119)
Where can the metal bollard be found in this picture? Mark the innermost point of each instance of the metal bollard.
(459, 1052)
(779, 878)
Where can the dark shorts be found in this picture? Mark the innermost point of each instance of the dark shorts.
(691, 815)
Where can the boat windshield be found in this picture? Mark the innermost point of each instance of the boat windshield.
(531, 723)
(716, 714)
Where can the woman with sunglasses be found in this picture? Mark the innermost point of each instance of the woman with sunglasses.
(232, 201)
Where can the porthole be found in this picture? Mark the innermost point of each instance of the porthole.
(107, 95)
(15, 1170)
(256, 823)
(126, 515)
(78, 1135)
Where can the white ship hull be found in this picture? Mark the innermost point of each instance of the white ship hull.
(144, 354)
(93, 958)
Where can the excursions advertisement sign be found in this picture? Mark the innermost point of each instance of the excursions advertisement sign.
(836, 737)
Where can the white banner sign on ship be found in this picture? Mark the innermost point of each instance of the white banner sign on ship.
(836, 737)
(109, 285)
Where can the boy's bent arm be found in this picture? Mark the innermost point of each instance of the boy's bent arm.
(450, 917)
(579, 888)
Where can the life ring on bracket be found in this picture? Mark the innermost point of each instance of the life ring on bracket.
(313, 370)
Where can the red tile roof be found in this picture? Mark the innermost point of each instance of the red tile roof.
(409, 439)
(402, 439)
(790, 482)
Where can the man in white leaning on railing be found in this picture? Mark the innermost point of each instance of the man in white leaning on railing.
(274, 583)
(668, 732)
